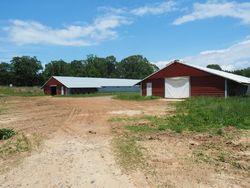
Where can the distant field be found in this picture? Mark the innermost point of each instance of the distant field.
(20, 91)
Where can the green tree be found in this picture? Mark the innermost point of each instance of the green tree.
(214, 66)
(57, 68)
(243, 72)
(77, 68)
(136, 67)
(100, 67)
(26, 70)
(5, 73)
(111, 66)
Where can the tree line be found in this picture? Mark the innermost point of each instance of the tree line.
(243, 72)
(28, 71)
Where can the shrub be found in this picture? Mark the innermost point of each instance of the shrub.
(6, 133)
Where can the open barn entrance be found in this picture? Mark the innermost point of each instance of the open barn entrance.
(53, 90)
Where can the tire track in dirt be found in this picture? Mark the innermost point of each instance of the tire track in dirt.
(72, 156)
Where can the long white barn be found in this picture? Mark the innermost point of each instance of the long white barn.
(65, 85)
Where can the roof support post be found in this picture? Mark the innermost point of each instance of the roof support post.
(141, 88)
(62, 90)
(226, 94)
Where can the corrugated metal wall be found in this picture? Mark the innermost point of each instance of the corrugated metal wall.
(207, 86)
(111, 89)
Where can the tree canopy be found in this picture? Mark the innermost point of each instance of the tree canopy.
(28, 71)
(135, 67)
(243, 72)
(214, 66)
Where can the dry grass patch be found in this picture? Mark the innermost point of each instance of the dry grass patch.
(18, 144)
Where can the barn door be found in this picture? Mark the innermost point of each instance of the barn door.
(177, 87)
(52, 90)
(149, 89)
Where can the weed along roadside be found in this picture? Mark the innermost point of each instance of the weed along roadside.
(20, 91)
(203, 135)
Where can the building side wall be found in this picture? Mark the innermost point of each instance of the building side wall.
(119, 89)
(82, 90)
(157, 87)
(207, 86)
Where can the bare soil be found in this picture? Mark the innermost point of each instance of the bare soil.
(172, 158)
(77, 149)
(77, 141)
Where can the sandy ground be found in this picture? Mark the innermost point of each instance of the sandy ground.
(171, 157)
(77, 150)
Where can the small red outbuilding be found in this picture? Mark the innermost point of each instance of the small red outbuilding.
(181, 80)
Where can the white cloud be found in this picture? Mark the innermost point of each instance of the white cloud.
(236, 56)
(217, 8)
(154, 9)
(32, 32)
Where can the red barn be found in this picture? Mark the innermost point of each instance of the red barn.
(66, 85)
(181, 80)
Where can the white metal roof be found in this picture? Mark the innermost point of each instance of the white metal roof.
(230, 76)
(89, 82)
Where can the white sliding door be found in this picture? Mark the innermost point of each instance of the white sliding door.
(177, 87)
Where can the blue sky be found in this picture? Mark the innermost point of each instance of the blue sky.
(199, 32)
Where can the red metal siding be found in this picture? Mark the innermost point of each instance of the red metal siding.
(53, 82)
(178, 69)
(157, 87)
(143, 88)
(207, 86)
(201, 82)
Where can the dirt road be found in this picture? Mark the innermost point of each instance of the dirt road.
(77, 150)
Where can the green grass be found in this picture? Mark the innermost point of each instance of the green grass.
(202, 114)
(133, 96)
(140, 128)
(20, 91)
(18, 144)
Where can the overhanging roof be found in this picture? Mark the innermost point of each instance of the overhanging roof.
(230, 76)
(89, 82)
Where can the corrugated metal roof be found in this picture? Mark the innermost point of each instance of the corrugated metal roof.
(230, 76)
(89, 82)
